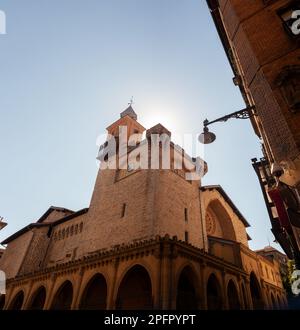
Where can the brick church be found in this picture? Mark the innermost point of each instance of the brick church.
(150, 239)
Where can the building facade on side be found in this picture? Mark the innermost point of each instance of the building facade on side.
(261, 39)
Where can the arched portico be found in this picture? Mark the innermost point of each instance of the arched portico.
(63, 297)
(186, 298)
(233, 296)
(214, 293)
(38, 299)
(256, 294)
(94, 296)
(136, 280)
(17, 301)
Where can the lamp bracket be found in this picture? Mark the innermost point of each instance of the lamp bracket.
(241, 114)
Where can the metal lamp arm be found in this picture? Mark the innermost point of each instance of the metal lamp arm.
(241, 114)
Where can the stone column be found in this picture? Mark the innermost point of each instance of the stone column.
(224, 291)
(49, 296)
(27, 298)
(264, 294)
(168, 301)
(111, 303)
(203, 288)
(248, 293)
(240, 292)
(157, 299)
(76, 298)
(8, 296)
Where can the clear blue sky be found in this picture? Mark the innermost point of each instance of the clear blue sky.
(69, 67)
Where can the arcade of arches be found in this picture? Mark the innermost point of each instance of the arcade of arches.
(160, 274)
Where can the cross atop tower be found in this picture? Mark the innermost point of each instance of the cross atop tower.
(2, 223)
(131, 101)
(129, 111)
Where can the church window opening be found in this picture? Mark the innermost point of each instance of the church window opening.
(186, 218)
(123, 210)
(186, 236)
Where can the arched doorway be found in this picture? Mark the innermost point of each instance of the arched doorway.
(95, 294)
(135, 291)
(186, 291)
(17, 302)
(233, 296)
(256, 296)
(2, 301)
(38, 300)
(214, 297)
(273, 301)
(63, 297)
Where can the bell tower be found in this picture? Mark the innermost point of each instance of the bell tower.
(128, 119)
(135, 204)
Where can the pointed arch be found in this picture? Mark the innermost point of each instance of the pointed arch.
(256, 295)
(38, 299)
(95, 294)
(186, 298)
(63, 298)
(214, 293)
(17, 302)
(233, 296)
(218, 221)
(137, 280)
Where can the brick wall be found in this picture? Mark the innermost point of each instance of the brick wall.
(262, 48)
(13, 257)
(36, 251)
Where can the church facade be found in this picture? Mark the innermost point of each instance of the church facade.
(150, 239)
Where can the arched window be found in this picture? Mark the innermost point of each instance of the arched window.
(63, 297)
(135, 291)
(95, 294)
(186, 290)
